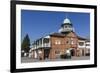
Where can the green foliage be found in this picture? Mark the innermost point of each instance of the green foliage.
(25, 44)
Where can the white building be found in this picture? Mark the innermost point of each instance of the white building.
(84, 46)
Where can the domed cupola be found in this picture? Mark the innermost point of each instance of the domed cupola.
(66, 21)
(66, 26)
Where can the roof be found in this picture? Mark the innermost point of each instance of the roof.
(57, 34)
(67, 21)
(61, 34)
(88, 40)
(82, 38)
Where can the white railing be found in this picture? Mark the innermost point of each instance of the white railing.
(83, 46)
(87, 46)
(42, 45)
(46, 45)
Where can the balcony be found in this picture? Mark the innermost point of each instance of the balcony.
(42, 45)
(46, 45)
(42, 42)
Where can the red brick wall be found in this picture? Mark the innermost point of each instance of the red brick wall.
(55, 47)
(63, 45)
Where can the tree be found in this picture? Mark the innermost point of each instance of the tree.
(25, 44)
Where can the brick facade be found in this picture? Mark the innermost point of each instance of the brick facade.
(65, 43)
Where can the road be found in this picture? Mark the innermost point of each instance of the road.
(30, 60)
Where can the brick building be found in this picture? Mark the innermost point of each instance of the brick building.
(65, 41)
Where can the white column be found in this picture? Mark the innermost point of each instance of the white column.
(42, 42)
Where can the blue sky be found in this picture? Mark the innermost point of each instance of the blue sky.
(40, 23)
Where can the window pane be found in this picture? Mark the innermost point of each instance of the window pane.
(81, 43)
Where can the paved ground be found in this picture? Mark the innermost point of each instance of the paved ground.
(30, 60)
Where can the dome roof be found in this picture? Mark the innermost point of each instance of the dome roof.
(66, 21)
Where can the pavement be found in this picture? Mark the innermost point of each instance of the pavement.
(30, 60)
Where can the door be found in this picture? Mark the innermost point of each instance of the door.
(83, 52)
(46, 53)
(72, 52)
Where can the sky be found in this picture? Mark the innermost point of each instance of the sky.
(40, 23)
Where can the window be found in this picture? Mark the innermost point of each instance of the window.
(68, 42)
(87, 44)
(57, 42)
(41, 41)
(81, 43)
(72, 41)
(46, 40)
(65, 26)
(57, 52)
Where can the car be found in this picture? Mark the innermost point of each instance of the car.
(65, 56)
(87, 54)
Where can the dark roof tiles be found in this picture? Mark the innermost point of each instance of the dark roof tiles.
(57, 34)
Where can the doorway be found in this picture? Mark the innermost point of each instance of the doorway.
(83, 52)
(72, 52)
(46, 53)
